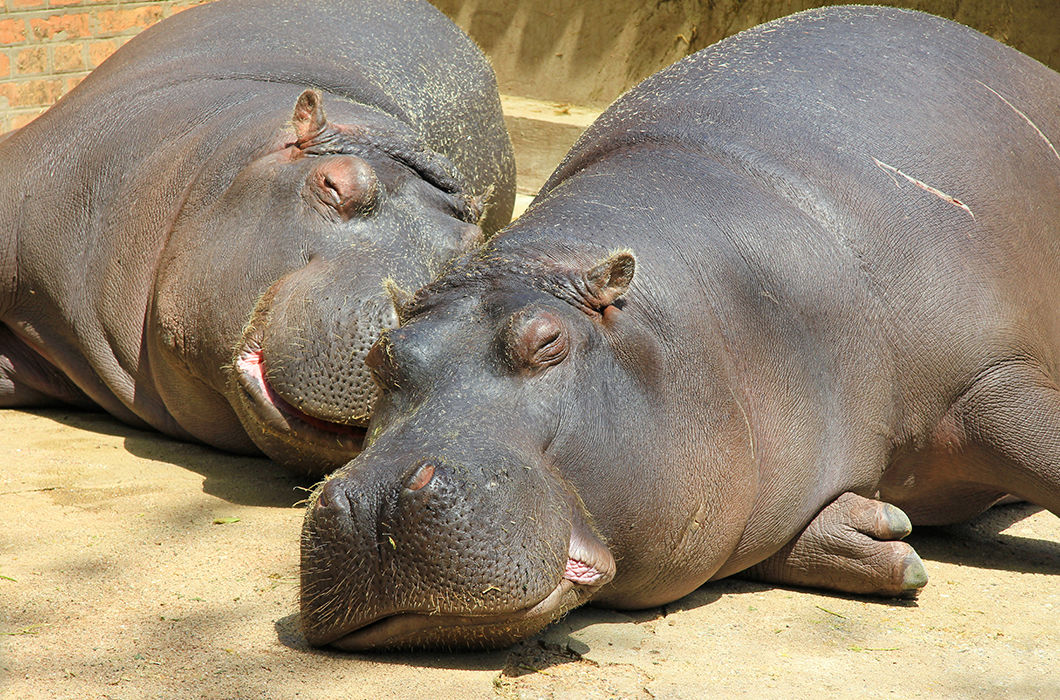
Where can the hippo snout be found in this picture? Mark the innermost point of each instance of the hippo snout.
(314, 348)
(442, 554)
(303, 391)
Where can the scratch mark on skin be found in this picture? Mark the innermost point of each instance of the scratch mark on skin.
(1025, 118)
(750, 432)
(924, 186)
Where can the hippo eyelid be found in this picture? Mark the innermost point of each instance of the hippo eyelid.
(552, 351)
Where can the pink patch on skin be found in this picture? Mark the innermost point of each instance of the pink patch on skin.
(251, 363)
(580, 572)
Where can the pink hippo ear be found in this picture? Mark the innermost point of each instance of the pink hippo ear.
(345, 185)
(309, 119)
(609, 280)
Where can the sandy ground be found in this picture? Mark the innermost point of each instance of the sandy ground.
(115, 582)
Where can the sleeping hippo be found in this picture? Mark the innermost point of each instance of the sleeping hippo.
(782, 300)
(196, 239)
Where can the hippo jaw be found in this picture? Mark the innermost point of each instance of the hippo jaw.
(359, 594)
(589, 566)
(304, 396)
(280, 416)
(416, 630)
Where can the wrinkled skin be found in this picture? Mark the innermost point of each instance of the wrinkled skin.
(784, 299)
(200, 236)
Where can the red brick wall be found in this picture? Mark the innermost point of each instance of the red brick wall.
(48, 46)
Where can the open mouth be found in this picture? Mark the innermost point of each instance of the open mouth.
(279, 416)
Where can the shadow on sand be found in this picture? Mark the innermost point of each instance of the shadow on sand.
(238, 479)
(980, 543)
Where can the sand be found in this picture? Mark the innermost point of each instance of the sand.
(133, 566)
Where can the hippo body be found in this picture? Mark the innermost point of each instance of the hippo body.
(779, 293)
(182, 252)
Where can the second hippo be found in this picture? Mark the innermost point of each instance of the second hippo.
(197, 237)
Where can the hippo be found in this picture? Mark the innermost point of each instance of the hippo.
(781, 301)
(197, 239)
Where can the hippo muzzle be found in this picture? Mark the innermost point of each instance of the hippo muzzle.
(443, 555)
(299, 369)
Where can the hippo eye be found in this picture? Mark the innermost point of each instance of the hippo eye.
(538, 341)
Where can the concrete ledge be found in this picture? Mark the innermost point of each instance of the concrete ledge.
(542, 132)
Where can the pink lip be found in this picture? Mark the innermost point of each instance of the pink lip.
(251, 366)
(581, 573)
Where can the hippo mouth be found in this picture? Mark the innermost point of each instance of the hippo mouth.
(589, 566)
(278, 416)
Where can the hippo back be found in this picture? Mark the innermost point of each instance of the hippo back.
(844, 153)
(403, 57)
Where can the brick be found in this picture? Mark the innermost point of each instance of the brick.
(63, 3)
(27, 4)
(180, 7)
(68, 58)
(20, 120)
(60, 27)
(30, 61)
(99, 51)
(5, 65)
(12, 31)
(71, 82)
(37, 93)
(119, 21)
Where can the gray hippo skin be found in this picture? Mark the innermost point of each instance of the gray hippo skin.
(196, 239)
(781, 300)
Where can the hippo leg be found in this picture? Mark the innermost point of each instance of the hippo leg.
(1012, 414)
(27, 380)
(853, 546)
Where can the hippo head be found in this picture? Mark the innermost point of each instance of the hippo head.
(467, 522)
(272, 286)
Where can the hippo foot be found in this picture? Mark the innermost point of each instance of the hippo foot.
(852, 546)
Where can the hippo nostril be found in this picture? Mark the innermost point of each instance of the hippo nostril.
(333, 496)
(422, 477)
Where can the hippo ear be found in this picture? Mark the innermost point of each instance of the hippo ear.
(309, 119)
(610, 279)
(476, 206)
